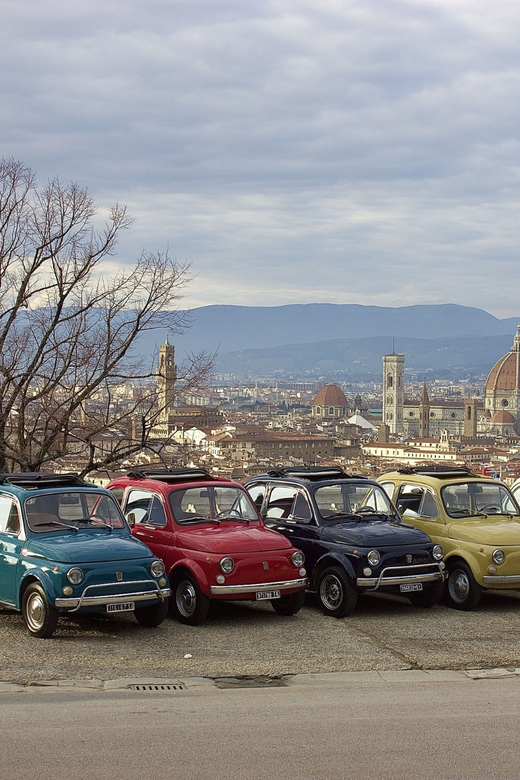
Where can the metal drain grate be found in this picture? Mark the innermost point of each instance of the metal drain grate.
(157, 687)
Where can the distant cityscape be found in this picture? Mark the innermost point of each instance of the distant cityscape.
(239, 428)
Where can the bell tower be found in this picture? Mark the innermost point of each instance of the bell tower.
(166, 375)
(393, 392)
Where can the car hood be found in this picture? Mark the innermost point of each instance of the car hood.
(86, 547)
(496, 531)
(373, 534)
(229, 538)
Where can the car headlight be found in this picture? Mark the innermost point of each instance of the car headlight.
(227, 565)
(298, 558)
(373, 558)
(75, 576)
(157, 569)
(437, 552)
(498, 556)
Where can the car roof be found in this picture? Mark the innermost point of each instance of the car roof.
(166, 479)
(436, 474)
(310, 475)
(30, 482)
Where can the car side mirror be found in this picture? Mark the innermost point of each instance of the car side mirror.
(130, 518)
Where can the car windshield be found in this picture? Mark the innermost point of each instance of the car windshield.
(466, 499)
(72, 509)
(212, 503)
(352, 498)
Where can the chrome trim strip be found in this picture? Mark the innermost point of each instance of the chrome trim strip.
(260, 587)
(501, 579)
(75, 603)
(402, 579)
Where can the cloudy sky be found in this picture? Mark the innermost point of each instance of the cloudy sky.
(293, 151)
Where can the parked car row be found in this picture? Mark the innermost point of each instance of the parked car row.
(161, 539)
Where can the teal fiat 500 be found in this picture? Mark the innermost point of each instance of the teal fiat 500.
(66, 549)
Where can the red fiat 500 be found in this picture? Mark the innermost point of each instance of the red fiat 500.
(212, 540)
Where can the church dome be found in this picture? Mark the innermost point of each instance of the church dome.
(330, 395)
(503, 418)
(505, 374)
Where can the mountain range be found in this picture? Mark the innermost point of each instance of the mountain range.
(333, 341)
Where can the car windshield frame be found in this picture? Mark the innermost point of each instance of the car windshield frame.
(213, 503)
(72, 509)
(478, 498)
(340, 500)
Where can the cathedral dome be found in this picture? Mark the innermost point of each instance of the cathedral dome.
(330, 395)
(503, 418)
(505, 374)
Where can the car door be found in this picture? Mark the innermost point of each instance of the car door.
(417, 505)
(287, 510)
(10, 549)
(146, 515)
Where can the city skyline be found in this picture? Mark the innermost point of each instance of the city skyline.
(293, 152)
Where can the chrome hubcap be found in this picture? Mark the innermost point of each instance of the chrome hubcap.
(35, 611)
(331, 591)
(186, 598)
(459, 585)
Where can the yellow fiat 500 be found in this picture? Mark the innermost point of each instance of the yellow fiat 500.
(476, 519)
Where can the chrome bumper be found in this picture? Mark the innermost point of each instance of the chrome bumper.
(501, 579)
(436, 575)
(74, 603)
(261, 587)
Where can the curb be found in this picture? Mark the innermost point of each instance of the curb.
(166, 684)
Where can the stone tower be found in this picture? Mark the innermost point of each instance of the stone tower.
(470, 418)
(393, 392)
(424, 414)
(166, 375)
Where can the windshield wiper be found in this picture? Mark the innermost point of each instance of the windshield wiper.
(95, 521)
(56, 522)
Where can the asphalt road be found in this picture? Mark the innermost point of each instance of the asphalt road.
(459, 729)
(248, 639)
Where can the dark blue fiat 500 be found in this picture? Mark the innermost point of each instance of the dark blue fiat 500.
(65, 548)
(353, 537)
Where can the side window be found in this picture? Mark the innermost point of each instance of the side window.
(281, 501)
(118, 493)
(388, 487)
(409, 499)
(9, 517)
(144, 508)
(257, 493)
(429, 506)
(301, 509)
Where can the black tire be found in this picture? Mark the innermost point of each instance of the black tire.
(289, 605)
(188, 603)
(462, 590)
(336, 595)
(427, 597)
(40, 617)
(152, 616)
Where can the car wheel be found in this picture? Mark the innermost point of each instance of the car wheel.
(463, 590)
(427, 597)
(152, 616)
(289, 605)
(336, 595)
(40, 617)
(189, 604)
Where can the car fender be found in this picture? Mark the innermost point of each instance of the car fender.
(35, 574)
(188, 564)
(469, 558)
(333, 559)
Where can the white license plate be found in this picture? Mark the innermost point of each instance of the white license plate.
(127, 607)
(410, 586)
(268, 594)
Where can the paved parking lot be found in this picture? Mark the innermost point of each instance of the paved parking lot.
(384, 633)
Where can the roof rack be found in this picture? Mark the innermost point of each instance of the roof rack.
(312, 472)
(438, 471)
(171, 475)
(42, 479)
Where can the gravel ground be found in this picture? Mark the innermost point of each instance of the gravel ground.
(248, 639)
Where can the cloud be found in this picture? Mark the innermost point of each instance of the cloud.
(361, 151)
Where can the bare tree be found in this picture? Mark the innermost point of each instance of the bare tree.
(69, 328)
